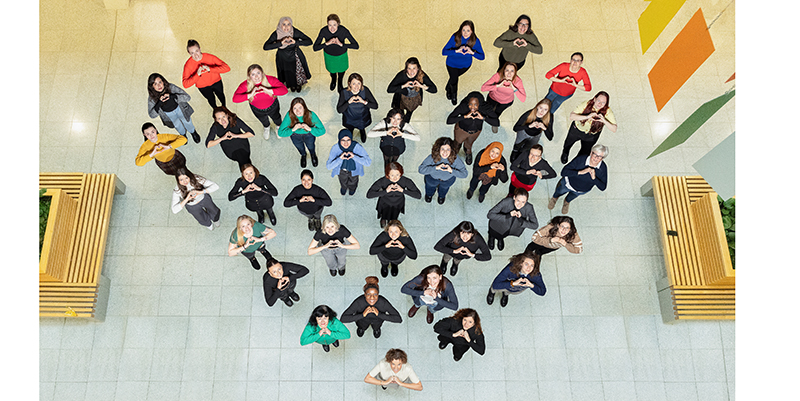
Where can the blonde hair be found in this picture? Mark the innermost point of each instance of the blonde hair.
(398, 224)
(239, 233)
(250, 84)
(328, 219)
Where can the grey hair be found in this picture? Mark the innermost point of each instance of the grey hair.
(601, 149)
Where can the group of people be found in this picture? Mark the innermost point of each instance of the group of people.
(348, 159)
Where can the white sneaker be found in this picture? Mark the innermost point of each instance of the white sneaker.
(266, 132)
(217, 223)
(211, 227)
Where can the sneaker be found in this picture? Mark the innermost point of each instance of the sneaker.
(500, 244)
(266, 133)
(196, 137)
(326, 347)
(428, 198)
(552, 203)
(294, 296)
(490, 297)
(565, 208)
(336, 344)
(360, 332)
(494, 129)
(333, 272)
(303, 162)
(384, 271)
(468, 159)
(288, 302)
(394, 270)
(211, 227)
(341, 271)
(440, 200)
(504, 300)
(217, 223)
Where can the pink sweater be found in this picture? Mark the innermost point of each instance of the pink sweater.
(261, 100)
(503, 94)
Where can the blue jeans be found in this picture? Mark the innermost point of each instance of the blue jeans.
(303, 141)
(562, 189)
(181, 123)
(431, 307)
(555, 99)
(431, 184)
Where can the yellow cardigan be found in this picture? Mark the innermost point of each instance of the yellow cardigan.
(165, 139)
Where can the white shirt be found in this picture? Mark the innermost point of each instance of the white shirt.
(177, 198)
(384, 369)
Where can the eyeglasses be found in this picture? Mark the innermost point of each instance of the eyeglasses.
(523, 24)
(577, 61)
(597, 156)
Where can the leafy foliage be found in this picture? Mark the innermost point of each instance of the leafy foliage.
(728, 210)
(44, 211)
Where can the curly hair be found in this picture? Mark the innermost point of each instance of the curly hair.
(468, 312)
(437, 146)
(597, 125)
(396, 354)
(556, 221)
(518, 259)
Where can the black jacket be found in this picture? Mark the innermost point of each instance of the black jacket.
(449, 326)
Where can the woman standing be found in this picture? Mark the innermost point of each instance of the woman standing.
(588, 121)
(333, 241)
(462, 242)
(354, 104)
(203, 70)
(431, 289)
(468, 118)
(281, 280)
(258, 192)
(463, 330)
(231, 134)
(408, 86)
(193, 193)
(566, 78)
(163, 148)
(521, 273)
(489, 170)
(261, 91)
(334, 36)
(441, 169)
(171, 104)
(530, 126)
(347, 160)
(517, 42)
(303, 127)
(371, 309)
(391, 191)
(462, 47)
(393, 131)
(510, 216)
(310, 199)
(526, 168)
(392, 246)
(289, 58)
(501, 87)
(324, 328)
(580, 175)
(248, 237)
(559, 232)
(394, 371)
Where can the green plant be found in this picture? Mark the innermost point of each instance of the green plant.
(44, 211)
(728, 210)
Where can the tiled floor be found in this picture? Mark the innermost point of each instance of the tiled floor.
(187, 322)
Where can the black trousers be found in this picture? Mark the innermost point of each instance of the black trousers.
(385, 261)
(536, 248)
(575, 135)
(458, 349)
(503, 61)
(241, 156)
(208, 92)
(370, 320)
(499, 108)
(452, 84)
(273, 112)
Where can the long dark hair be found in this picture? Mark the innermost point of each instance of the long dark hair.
(472, 38)
(393, 112)
(465, 227)
(146, 126)
(223, 109)
(152, 92)
(520, 18)
(468, 312)
(597, 125)
(432, 269)
(320, 311)
(441, 142)
(306, 113)
(193, 181)
(518, 259)
(556, 221)
(502, 72)
(415, 61)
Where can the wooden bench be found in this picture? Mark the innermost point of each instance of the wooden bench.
(83, 291)
(693, 248)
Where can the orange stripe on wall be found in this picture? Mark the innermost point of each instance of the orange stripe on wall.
(687, 52)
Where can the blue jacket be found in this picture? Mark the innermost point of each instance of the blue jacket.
(504, 279)
(446, 299)
(458, 60)
(360, 157)
(584, 182)
(428, 167)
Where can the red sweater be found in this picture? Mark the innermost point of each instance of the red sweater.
(562, 71)
(261, 100)
(208, 78)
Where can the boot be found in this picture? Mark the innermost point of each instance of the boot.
(552, 203)
(272, 218)
(491, 244)
(565, 207)
(500, 244)
(490, 297)
(413, 310)
(314, 160)
(260, 214)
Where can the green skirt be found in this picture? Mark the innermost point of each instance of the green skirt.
(336, 64)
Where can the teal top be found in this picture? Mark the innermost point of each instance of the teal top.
(338, 332)
(285, 130)
(258, 228)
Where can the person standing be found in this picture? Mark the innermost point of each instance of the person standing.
(231, 134)
(462, 47)
(354, 104)
(333, 241)
(530, 126)
(347, 160)
(193, 193)
(520, 274)
(468, 118)
(171, 104)
(309, 198)
(502, 87)
(517, 42)
(393, 131)
(371, 309)
(588, 121)
(161, 147)
(462, 242)
(566, 78)
(289, 58)
(392, 246)
(510, 216)
(441, 168)
(559, 232)
(394, 370)
(581, 175)
(408, 87)
(203, 70)
(258, 192)
(324, 328)
(334, 39)
(261, 92)
(302, 126)
(463, 330)
(248, 237)
(280, 280)
(432, 289)
(527, 168)
(489, 170)
(391, 191)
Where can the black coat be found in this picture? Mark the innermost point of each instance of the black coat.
(500, 175)
(394, 198)
(501, 221)
(285, 61)
(449, 326)
(255, 200)
(462, 109)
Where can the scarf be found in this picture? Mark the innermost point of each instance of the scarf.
(280, 32)
(349, 164)
(486, 160)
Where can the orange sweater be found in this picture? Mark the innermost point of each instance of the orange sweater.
(208, 78)
(175, 141)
